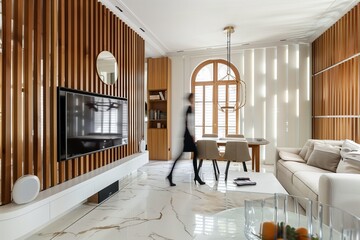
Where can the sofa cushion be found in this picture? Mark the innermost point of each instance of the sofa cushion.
(351, 145)
(311, 143)
(307, 183)
(348, 167)
(350, 152)
(325, 156)
(287, 156)
(305, 149)
(289, 168)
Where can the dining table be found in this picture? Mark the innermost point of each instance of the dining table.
(254, 144)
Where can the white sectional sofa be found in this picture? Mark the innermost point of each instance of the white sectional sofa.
(320, 171)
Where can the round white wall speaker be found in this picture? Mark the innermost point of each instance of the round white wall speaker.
(26, 189)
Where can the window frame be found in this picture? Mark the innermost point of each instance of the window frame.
(215, 82)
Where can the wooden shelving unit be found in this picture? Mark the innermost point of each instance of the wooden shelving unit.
(159, 111)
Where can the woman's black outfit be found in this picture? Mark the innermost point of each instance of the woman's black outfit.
(189, 146)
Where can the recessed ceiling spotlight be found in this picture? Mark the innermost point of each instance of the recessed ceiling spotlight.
(282, 40)
(245, 44)
(119, 8)
(180, 51)
(142, 29)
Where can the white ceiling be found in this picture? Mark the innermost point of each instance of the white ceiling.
(189, 25)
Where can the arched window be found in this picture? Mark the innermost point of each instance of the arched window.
(211, 89)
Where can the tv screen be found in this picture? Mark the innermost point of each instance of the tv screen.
(88, 123)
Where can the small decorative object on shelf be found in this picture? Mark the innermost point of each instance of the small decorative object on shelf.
(154, 97)
(161, 96)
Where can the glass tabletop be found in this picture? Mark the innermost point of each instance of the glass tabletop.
(227, 224)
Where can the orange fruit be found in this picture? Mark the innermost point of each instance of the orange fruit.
(268, 231)
(302, 233)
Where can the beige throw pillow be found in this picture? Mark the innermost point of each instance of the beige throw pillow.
(311, 143)
(325, 156)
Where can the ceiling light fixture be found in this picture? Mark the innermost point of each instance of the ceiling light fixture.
(241, 85)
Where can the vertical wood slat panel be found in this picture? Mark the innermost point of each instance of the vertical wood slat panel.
(17, 81)
(86, 74)
(336, 128)
(119, 61)
(97, 43)
(74, 73)
(54, 84)
(28, 86)
(69, 65)
(126, 80)
(37, 91)
(100, 39)
(81, 30)
(62, 76)
(46, 93)
(339, 42)
(336, 91)
(92, 32)
(61, 34)
(5, 103)
(67, 68)
(105, 14)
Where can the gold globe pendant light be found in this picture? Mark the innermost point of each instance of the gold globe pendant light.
(241, 85)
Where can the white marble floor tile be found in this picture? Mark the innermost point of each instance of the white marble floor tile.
(146, 207)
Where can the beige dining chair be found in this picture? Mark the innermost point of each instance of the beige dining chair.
(236, 151)
(208, 149)
(235, 136)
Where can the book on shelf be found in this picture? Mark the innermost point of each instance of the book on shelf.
(154, 97)
(161, 96)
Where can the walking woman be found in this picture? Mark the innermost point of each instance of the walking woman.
(189, 141)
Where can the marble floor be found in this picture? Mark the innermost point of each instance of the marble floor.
(147, 208)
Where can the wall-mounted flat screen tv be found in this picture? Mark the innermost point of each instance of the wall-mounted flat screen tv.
(89, 123)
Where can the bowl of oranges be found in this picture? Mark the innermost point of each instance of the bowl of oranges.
(296, 218)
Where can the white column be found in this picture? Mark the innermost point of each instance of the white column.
(282, 95)
(271, 104)
(305, 106)
(293, 90)
(260, 96)
(249, 79)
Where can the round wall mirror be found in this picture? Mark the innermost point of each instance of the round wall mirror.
(107, 67)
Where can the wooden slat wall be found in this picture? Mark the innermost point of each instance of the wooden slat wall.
(339, 42)
(336, 80)
(59, 47)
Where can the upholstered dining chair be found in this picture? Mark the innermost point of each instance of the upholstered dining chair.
(235, 136)
(208, 149)
(236, 151)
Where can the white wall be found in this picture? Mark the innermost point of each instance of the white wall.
(278, 104)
